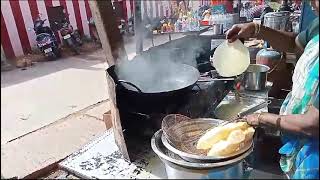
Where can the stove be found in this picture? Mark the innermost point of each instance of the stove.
(141, 121)
(141, 118)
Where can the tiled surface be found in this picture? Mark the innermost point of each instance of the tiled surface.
(101, 159)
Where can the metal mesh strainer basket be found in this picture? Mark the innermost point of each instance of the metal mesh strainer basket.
(184, 132)
(181, 134)
(178, 128)
(171, 125)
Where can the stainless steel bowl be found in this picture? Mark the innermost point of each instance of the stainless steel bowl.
(277, 20)
(178, 168)
(217, 29)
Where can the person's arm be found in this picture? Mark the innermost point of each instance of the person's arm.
(306, 124)
(280, 40)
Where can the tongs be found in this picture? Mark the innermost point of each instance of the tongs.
(251, 110)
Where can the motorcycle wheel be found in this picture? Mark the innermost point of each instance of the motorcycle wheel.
(79, 41)
(73, 46)
(57, 52)
(52, 56)
(77, 38)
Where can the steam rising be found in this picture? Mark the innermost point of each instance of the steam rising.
(164, 67)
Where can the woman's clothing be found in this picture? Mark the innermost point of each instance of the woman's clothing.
(300, 156)
(311, 31)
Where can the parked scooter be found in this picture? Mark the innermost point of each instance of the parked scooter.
(71, 37)
(46, 40)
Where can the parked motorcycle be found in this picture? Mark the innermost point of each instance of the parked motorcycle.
(46, 40)
(130, 28)
(70, 36)
(121, 25)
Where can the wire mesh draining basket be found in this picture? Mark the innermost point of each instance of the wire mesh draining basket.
(181, 134)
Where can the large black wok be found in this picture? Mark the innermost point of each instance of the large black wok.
(147, 77)
(148, 86)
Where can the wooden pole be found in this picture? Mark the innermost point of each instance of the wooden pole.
(138, 28)
(111, 39)
(113, 46)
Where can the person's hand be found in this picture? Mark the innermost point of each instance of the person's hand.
(237, 31)
(252, 119)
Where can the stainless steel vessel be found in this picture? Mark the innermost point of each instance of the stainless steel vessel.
(255, 77)
(217, 29)
(268, 57)
(178, 168)
(277, 20)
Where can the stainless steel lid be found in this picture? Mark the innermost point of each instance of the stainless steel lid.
(277, 14)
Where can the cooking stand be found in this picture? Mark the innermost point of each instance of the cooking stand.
(102, 159)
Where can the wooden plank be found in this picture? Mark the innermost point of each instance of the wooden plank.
(112, 44)
(101, 159)
(42, 172)
(60, 174)
(107, 119)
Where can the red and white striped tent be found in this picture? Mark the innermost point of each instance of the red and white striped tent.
(18, 15)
